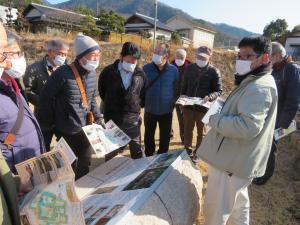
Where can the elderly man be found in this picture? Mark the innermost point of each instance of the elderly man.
(20, 135)
(239, 142)
(37, 74)
(159, 99)
(201, 80)
(181, 62)
(287, 77)
(122, 97)
(68, 101)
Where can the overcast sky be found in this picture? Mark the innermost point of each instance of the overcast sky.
(251, 15)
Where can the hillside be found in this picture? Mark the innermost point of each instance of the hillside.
(227, 35)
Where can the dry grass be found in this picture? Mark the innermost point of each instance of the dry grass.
(277, 202)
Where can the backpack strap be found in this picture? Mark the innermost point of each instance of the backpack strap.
(11, 137)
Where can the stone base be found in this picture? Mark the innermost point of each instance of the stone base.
(176, 201)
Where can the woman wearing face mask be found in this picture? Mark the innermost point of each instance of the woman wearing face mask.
(121, 85)
(37, 74)
(68, 101)
(204, 81)
(20, 134)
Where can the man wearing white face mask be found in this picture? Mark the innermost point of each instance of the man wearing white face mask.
(37, 74)
(121, 85)
(182, 63)
(160, 98)
(239, 142)
(20, 135)
(201, 80)
(68, 101)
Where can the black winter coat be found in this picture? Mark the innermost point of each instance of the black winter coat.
(119, 104)
(61, 105)
(201, 82)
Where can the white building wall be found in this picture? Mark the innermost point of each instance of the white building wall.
(159, 33)
(292, 41)
(198, 36)
(203, 38)
(177, 24)
(3, 14)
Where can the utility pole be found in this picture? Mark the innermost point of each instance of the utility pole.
(97, 10)
(155, 21)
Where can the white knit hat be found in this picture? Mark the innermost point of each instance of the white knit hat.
(84, 45)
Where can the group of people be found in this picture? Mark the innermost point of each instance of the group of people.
(239, 147)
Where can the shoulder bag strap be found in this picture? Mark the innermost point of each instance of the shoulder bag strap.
(80, 86)
(11, 137)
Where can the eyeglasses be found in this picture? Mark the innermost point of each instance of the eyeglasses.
(248, 56)
(10, 55)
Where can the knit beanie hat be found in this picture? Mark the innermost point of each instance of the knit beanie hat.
(84, 45)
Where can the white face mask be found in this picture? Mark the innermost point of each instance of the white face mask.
(157, 59)
(201, 63)
(59, 60)
(18, 68)
(128, 66)
(91, 65)
(179, 62)
(243, 67)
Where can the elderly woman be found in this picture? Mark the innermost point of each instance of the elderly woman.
(20, 134)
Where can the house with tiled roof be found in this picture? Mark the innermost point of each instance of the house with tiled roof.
(139, 23)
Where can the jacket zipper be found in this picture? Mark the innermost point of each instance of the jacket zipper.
(220, 144)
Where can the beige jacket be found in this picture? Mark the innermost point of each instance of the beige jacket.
(241, 136)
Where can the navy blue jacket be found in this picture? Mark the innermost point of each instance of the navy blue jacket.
(61, 105)
(161, 96)
(287, 77)
(121, 105)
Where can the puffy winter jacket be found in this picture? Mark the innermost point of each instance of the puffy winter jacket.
(161, 96)
(61, 104)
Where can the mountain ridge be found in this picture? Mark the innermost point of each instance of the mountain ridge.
(226, 34)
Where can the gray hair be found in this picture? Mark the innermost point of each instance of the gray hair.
(165, 48)
(56, 44)
(12, 38)
(278, 48)
(181, 52)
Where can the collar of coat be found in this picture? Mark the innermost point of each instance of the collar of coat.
(258, 72)
(279, 66)
(81, 70)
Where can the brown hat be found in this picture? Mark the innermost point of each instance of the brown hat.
(204, 51)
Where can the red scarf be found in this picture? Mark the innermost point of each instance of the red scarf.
(14, 85)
